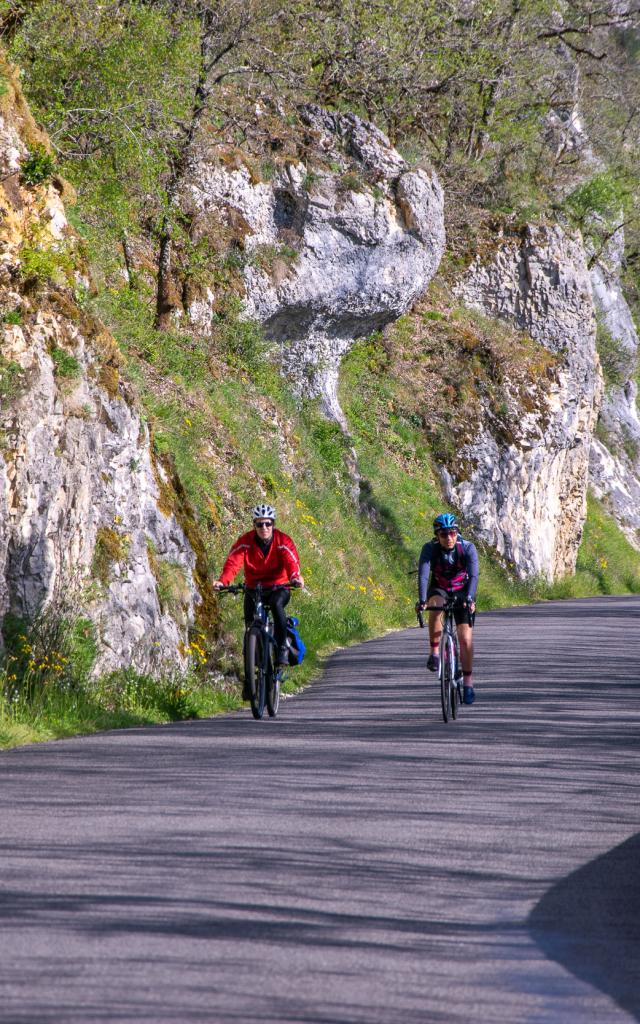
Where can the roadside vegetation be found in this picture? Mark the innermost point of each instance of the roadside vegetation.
(124, 89)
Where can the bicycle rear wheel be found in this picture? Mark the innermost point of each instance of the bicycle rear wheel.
(446, 676)
(254, 671)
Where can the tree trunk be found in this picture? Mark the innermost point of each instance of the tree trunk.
(164, 305)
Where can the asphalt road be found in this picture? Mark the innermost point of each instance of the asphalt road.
(356, 860)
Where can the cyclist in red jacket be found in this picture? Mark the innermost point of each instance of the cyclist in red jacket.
(268, 556)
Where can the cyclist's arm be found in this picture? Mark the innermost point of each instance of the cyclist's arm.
(473, 570)
(290, 559)
(424, 571)
(234, 562)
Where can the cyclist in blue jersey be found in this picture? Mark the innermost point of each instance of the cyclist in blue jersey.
(448, 568)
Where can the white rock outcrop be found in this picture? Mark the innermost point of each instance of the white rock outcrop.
(81, 507)
(76, 485)
(615, 452)
(349, 248)
(528, 498)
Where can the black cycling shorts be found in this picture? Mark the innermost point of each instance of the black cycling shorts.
(461, 615)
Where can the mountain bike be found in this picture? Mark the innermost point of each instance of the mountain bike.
(450, 669)
(261, 672)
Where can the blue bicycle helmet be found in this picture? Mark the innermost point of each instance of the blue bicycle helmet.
(445, 521)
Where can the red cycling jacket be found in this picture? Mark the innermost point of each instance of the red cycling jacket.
(278, 566)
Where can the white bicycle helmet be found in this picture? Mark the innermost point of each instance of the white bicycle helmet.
(263, 511)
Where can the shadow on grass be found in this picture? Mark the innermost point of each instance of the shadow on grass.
(379, 515)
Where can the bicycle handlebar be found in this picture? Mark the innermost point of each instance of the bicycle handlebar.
(448, 606)
(239, 588)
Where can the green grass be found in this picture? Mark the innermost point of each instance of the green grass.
(122, 700)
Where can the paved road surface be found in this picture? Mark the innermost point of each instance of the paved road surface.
(355, 861)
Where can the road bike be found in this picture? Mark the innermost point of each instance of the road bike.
(261, 672)
(450, 668)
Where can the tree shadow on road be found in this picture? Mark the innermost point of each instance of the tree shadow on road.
(590, 923)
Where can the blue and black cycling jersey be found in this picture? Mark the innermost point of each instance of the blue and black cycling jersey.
(454, 571)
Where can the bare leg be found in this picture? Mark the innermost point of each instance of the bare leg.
(435, 622)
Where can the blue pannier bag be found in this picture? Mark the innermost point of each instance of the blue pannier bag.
(297, 646)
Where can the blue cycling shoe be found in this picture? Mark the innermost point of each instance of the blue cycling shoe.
(469, 694)
(433, 663)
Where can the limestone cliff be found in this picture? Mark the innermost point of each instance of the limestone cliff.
(615, 452)
(527, 498)
(330, 254)
(82, 502)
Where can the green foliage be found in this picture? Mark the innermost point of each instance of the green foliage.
(118, 700)
(172, 586)
(12, 316)
(65, 365)
(53, 652)
(12, 379)
(109, 82)
(352, 182)
(329, 441)
(265, 256)
(613, 359)
(38, 167)
(174, 697)
(111, 548)
(602, 196)
(607, 563)
(41, 263)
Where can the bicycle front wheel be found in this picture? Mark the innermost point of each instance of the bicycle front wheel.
(456, 696)
(273, 689)
(254, 672)
(446, 676)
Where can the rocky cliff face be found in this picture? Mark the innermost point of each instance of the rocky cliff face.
(528, 498)
(82, 504)
(615, 452)
(331, 254)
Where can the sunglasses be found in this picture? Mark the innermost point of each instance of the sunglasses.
(448, 533)
(262, 523)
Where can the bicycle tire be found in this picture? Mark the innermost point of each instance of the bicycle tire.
(454, 690)
(446, 675)
(273, 688)
(457, 679)
(254, 672)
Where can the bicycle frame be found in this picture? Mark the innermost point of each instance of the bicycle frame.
(262, 676)
(449, 669)
(263, 619)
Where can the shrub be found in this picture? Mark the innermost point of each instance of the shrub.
(601, 196)
(39, 263)
(38, 167)
(612, 357)
(65, 365)
(11, 379)
(12, 316)
(110, 549)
